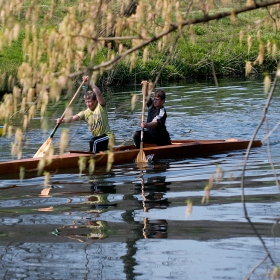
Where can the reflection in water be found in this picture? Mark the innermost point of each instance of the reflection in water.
(157, 188)
(148, 229)
(139, 214)
(154, 229)
(90, 229)
(153, 193)
(45, 192)
(99, 203)
(48, 209)
(157, 183)
(154, 199)
(103, 188)
(84, 230)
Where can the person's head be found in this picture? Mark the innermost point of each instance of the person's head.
(160, 93)
(159, 98)
(90, 100)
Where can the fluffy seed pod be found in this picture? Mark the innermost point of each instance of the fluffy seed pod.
(267, 82)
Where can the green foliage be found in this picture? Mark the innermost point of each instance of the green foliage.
(216, 43)
(200, 30)
(11, 57)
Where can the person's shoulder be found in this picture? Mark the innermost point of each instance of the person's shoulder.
(162, 111)
(101, 107)
(85, 111)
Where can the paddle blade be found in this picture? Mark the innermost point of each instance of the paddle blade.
(141, 157)
(43, 149)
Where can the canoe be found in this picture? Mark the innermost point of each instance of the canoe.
(127, 154)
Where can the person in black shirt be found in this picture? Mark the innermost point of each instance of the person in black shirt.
(155, 131)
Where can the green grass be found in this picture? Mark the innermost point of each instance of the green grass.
(216, 42)
(11, 57)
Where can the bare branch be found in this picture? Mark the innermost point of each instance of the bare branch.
(270, 157)
(254, 268)
(245, 163)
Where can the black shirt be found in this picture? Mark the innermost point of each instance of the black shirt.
(159, 132)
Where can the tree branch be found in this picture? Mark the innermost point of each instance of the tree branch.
(245, 163)
(173, 27)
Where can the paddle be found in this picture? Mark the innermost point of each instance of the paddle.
(46, 145)
(141, 157)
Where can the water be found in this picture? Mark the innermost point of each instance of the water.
(138, 224)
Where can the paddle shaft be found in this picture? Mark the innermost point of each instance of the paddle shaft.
(70, 103)
(145, 89)
(47, 143)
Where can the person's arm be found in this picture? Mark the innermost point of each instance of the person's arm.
(149, 101)
(149, 97)
(68, 119)
(152, 124)
(99, 95)
(96, 90)
(158, 120)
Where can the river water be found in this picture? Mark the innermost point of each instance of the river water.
(139, 224)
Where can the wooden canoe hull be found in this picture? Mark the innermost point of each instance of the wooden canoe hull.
(128, 154)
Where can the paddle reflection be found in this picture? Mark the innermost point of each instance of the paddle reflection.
(153, 192)
(45, 192)
(155, 229)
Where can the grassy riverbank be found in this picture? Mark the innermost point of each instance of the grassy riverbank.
(217, 48)
(201, 50)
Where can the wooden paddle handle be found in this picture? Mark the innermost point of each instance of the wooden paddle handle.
(144, 92)
(70, 103)
(73, 98)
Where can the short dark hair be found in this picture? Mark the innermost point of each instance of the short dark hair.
(90, 95)
(159, 93)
